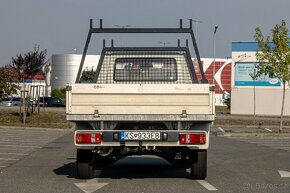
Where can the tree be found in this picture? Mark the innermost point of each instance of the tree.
(227, 99)
(274, 58)
(8, 82)
(59, 93)
(30, 63)
(88, 75)
(254, 77)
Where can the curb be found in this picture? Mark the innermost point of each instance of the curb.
(36, 128)
(230, 134)
(249, 126)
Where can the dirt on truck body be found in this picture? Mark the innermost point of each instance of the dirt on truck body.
(142, 100)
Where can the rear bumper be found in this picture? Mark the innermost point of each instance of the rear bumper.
(171, 141)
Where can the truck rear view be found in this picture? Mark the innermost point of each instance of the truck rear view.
(142, 100)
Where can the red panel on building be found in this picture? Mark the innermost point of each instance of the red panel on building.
(223, 76)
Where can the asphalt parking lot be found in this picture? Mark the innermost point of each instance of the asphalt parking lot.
(43, 161)
(16, 144)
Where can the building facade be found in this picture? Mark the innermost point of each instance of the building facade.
(63, 69)
(220, 69)
(250, 95)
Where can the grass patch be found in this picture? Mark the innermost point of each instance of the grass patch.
(42, 119)
(55, 118)
(222, 110)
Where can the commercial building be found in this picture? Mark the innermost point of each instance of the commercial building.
(63, 69)
(222, 76)
(249, 95)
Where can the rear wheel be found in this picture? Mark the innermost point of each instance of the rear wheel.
(198, 169)
(85, 169)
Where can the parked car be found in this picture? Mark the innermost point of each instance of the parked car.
(51, 102)
(11, 101)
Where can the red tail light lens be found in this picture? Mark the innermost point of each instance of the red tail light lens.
(88, 138)
(192, 138)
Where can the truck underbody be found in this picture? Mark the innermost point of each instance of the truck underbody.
(182, 147)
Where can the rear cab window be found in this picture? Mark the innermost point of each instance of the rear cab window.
(145, 69)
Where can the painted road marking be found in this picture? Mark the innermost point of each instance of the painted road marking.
(221, 129)
(23, 146)
(91, 185)
(268, 129)
(284, 174)
(206, 185)
(17, 143)
(8, 159)
(13, 153)
(282, 143)
(21, 149)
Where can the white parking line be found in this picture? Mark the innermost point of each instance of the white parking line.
(14, 153)
(221, 129)
(268, 129)
(25, 138)
(15, 144)
(24, 146)
(284, 174)
(18, 143)
(281, 143)
(8, 159)
(21, 149)
(206, 185)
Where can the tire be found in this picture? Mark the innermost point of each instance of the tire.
(198, 169)
(85, 171)
(84, 166)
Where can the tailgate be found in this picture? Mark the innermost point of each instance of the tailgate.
(139, 99)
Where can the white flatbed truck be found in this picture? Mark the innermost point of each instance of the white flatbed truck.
(142, 101)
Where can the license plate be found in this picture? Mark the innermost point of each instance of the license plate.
(139, 135)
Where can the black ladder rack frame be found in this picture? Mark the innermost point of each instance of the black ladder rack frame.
(180, 30)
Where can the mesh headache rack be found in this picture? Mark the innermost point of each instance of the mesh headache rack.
(144, 65)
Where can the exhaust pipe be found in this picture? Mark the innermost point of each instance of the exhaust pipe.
(104, 151)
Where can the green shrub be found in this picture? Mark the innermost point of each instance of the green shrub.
(59, 92)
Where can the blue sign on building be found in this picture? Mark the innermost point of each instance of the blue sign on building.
(244, 72)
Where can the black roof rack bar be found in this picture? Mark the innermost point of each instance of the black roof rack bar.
(142, 30)
(145, 48)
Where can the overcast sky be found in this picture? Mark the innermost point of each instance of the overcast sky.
(61, 25)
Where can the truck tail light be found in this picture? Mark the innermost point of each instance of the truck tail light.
(192, 138)
(88, 138)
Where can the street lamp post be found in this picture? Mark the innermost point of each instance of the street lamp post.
(213, 70)
(214, 46)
